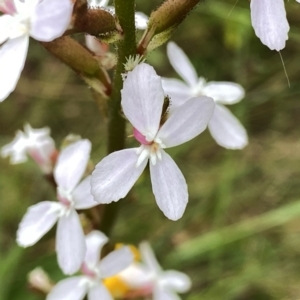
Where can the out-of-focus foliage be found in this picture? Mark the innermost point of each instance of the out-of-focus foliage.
(226, 187)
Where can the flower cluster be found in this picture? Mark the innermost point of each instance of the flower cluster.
(163, 112)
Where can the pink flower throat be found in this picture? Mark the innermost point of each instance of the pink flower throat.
(140, 138)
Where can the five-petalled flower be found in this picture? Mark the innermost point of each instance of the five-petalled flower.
(93, 271)
(40, 218)
(142, 103)
(224, 127)
(43, 20)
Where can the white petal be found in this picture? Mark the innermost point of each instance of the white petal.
(95, 240)
(177, 90)
(82, 196)
(182, 64)
(224, 92)
(115, 262)
(226, 129)
(169, 187)
(142, 99)
(37, 221)
(148, 257)
(175, 281)
(115, 175)
(163, 294)
(70, 243)
(99, 292)
(5, 25)
(136, 276)
(12, 58)
(71, 164)
(17, 149)
(50, 20)
(270, 23)
(69, 289)
(187, 121)
(141, 20)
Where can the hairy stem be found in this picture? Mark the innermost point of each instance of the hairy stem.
(116, 124)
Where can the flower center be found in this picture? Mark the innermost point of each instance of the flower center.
(65, 198)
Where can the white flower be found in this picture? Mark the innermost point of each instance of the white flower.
(142, 102)
(141, 19)
(42, 20)
(36, 143)
(269, 21)
(165, 284)
(224, 127)
(40, 218)
(94, 271)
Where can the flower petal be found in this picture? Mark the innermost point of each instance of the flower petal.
(69, 289)
(141, 20)
(160, 293)
(82, 196)
(224, 92)
(226, 129)
(38, 220)
(187, 121)
(17, 149)
(182, 64)
(175, 281)
(142, 99)
(50, 19)
(269, 22)
(115, 175)
(6, 21)
(70, 243)
(95, 240)
(99, 292)
(136, 276)
(71, 164)
(12, 58)
(169, 187)
(177, 90)
(148, 257)
(115, 262)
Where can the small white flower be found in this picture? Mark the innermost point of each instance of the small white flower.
(94, 271)
(142, 103)
(224, 127)
(42, 20)
(36, 143)
(165, 284)
(141, 20)
(40, 218)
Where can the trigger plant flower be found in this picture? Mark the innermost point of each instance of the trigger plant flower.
(93, 271)
(43, 20)
(40, 218)
(36, 143)
(165, 284)
(224, 127)
(142, 103)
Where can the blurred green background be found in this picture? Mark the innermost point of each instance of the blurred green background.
(239, 238)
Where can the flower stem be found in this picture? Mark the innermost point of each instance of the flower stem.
(117, 124)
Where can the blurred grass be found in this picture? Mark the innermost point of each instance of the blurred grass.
(229, 239)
